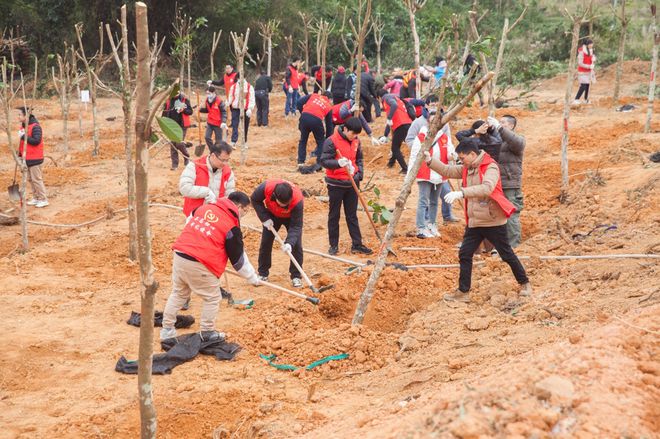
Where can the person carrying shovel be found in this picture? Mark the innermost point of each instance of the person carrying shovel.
(279, 203)
(342, 155)
(31, 148)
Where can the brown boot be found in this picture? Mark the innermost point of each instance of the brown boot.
(457, 296)
(525, 290)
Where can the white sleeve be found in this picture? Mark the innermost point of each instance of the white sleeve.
(415, 148)
(245, 268)
(450, 144)
(187, 186)
(251, 103)
(231, 184)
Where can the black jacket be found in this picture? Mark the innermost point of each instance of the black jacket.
(338, 88)
(294, 232)
(172, 113)
(329, 161)
(367, 86)
(491, 143)
(34, 139)
(263, 83)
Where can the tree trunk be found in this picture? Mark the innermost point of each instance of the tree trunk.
(23, 215)
(498, 66)
(241, 121)
(378, 63)
(567, 107)
(149, 284)
(80, 105)
(436, 124)
(413, 29)
(188, 62)
(65, 123)
(622, 48)
(654, 66)
(92, 97)
(270, 54)
(358, 58)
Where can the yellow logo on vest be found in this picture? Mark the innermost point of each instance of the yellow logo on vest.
(210, 216)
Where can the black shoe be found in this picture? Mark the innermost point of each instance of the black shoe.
(361, 249)
(212, 336)
(333, 250)
(390, 164)
(404, 171)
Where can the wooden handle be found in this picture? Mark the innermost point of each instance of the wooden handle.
(293, 260)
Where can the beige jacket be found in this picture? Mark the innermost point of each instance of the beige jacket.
(482, 210)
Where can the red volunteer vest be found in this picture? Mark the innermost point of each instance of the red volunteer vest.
(230, 79)
(214, 117)
(587, 59)
(34, 152)
(294, 80)
(184, 117)
(272, 205)
(317, 105)
(400, 115)
(344, 149)
(336, 109)
(365, 66)
(202, 178)
(497, 195)
(424, 172)
(205, 235)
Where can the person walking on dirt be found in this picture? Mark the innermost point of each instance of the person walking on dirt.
(179, 110)
(338, 86)
(230, 78)
(235, 106)
(343, 111)
(342, 159)
(279, 203)
(209, 239)
(510, 161)
(31, 149)
(291, 86)
(487, 137)
(586, 76)
(315, 109)
(216, 121)
(262, 87)
(486, 212)
(398, 121)
(207, 179)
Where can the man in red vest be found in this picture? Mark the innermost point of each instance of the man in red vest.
(230, 78)
(207, 179)
(486, 212)
(216, 120)
(315, 109)
(179, 110)
(342, 111)
(33, 154)
(279, 203)
(398, 121)
(210, 238)
(342, 160)
(235, 108)
(291, 86)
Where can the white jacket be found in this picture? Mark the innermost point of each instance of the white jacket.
(416, 147)
(187, 182)
(233, 96)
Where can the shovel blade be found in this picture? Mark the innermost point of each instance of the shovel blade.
(324, 288)
(14, 193)
(199, 149)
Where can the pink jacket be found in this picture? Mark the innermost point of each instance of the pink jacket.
(394, 86)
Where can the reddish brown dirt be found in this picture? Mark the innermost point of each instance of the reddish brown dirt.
(418, 367)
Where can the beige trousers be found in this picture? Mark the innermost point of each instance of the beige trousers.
(36, 179)
(192, 276)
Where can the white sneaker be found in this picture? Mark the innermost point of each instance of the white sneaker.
(166, 333)
(433, 230)
(32, 202)
(576, 102)
(423, 233)
(263, 278)
(41, 203)
(296, 282)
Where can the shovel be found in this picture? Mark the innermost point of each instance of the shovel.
(13, 190)
(304, 275)
(313, 300)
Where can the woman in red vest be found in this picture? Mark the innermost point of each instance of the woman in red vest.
(586, 75)
(486, 212)
(342, 155)
(211, 237)
(291, 87)
(33, 154)
(179, 110)
(398, 121)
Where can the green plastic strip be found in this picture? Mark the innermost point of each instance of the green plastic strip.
(248, 303)
(271, 358)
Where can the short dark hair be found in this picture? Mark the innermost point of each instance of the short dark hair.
(480, 122)
(24, 110)
(295, 59)
(353, 124)
(239, 198)
(221, 147)
(511, 119)
(283, 192)
(327, 94)
(467, 146)
(210, 89)
(382, 92)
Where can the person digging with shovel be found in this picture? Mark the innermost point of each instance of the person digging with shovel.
(279, 203)
(486, 212)
(216, 121)
(31, 148)
(210, 238)
(179, 110)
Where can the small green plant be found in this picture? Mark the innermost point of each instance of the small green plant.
(381, 214)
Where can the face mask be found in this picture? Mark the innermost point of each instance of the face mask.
(210, 97)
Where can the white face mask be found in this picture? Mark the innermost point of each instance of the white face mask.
(210, 97)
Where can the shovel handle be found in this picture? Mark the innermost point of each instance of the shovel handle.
(313, 300)
(304, 275)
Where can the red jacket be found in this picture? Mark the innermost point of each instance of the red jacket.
(424, 172)
(497, 195)
(272, 205)
(400, 116)
(34, 152)
(205, 235)
(317, 105)
(202, 178)
(344, 149)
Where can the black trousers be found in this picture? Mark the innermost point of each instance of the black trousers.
(266, 249)
(338, 99)
(235, 118)
(366, 112)
(398, 136)
(346, 196)
(497, 235)
(584, 88)
(263, 104)
(179, 147)
(310, 124)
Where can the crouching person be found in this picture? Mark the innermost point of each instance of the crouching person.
(210, 238)
(486, 212)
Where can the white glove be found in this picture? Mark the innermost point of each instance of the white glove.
(383, 140)
(208, 83)
(286, 248)
(351, 168)
(290, 89)
(427, 157)
(389, 122)
(254, 279)
(354, 108)
(248, 113)
(223, 126)
(375, 141)
(494, 123)
(210, 198)
(268, 224)
(453, 196)
(21, 133)
(343, 162)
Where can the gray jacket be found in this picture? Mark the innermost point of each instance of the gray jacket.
(511, 158)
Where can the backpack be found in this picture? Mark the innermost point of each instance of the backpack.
(410, 109)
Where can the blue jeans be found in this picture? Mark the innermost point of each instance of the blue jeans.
(427, 204)
(446, 207)
(291, 102)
